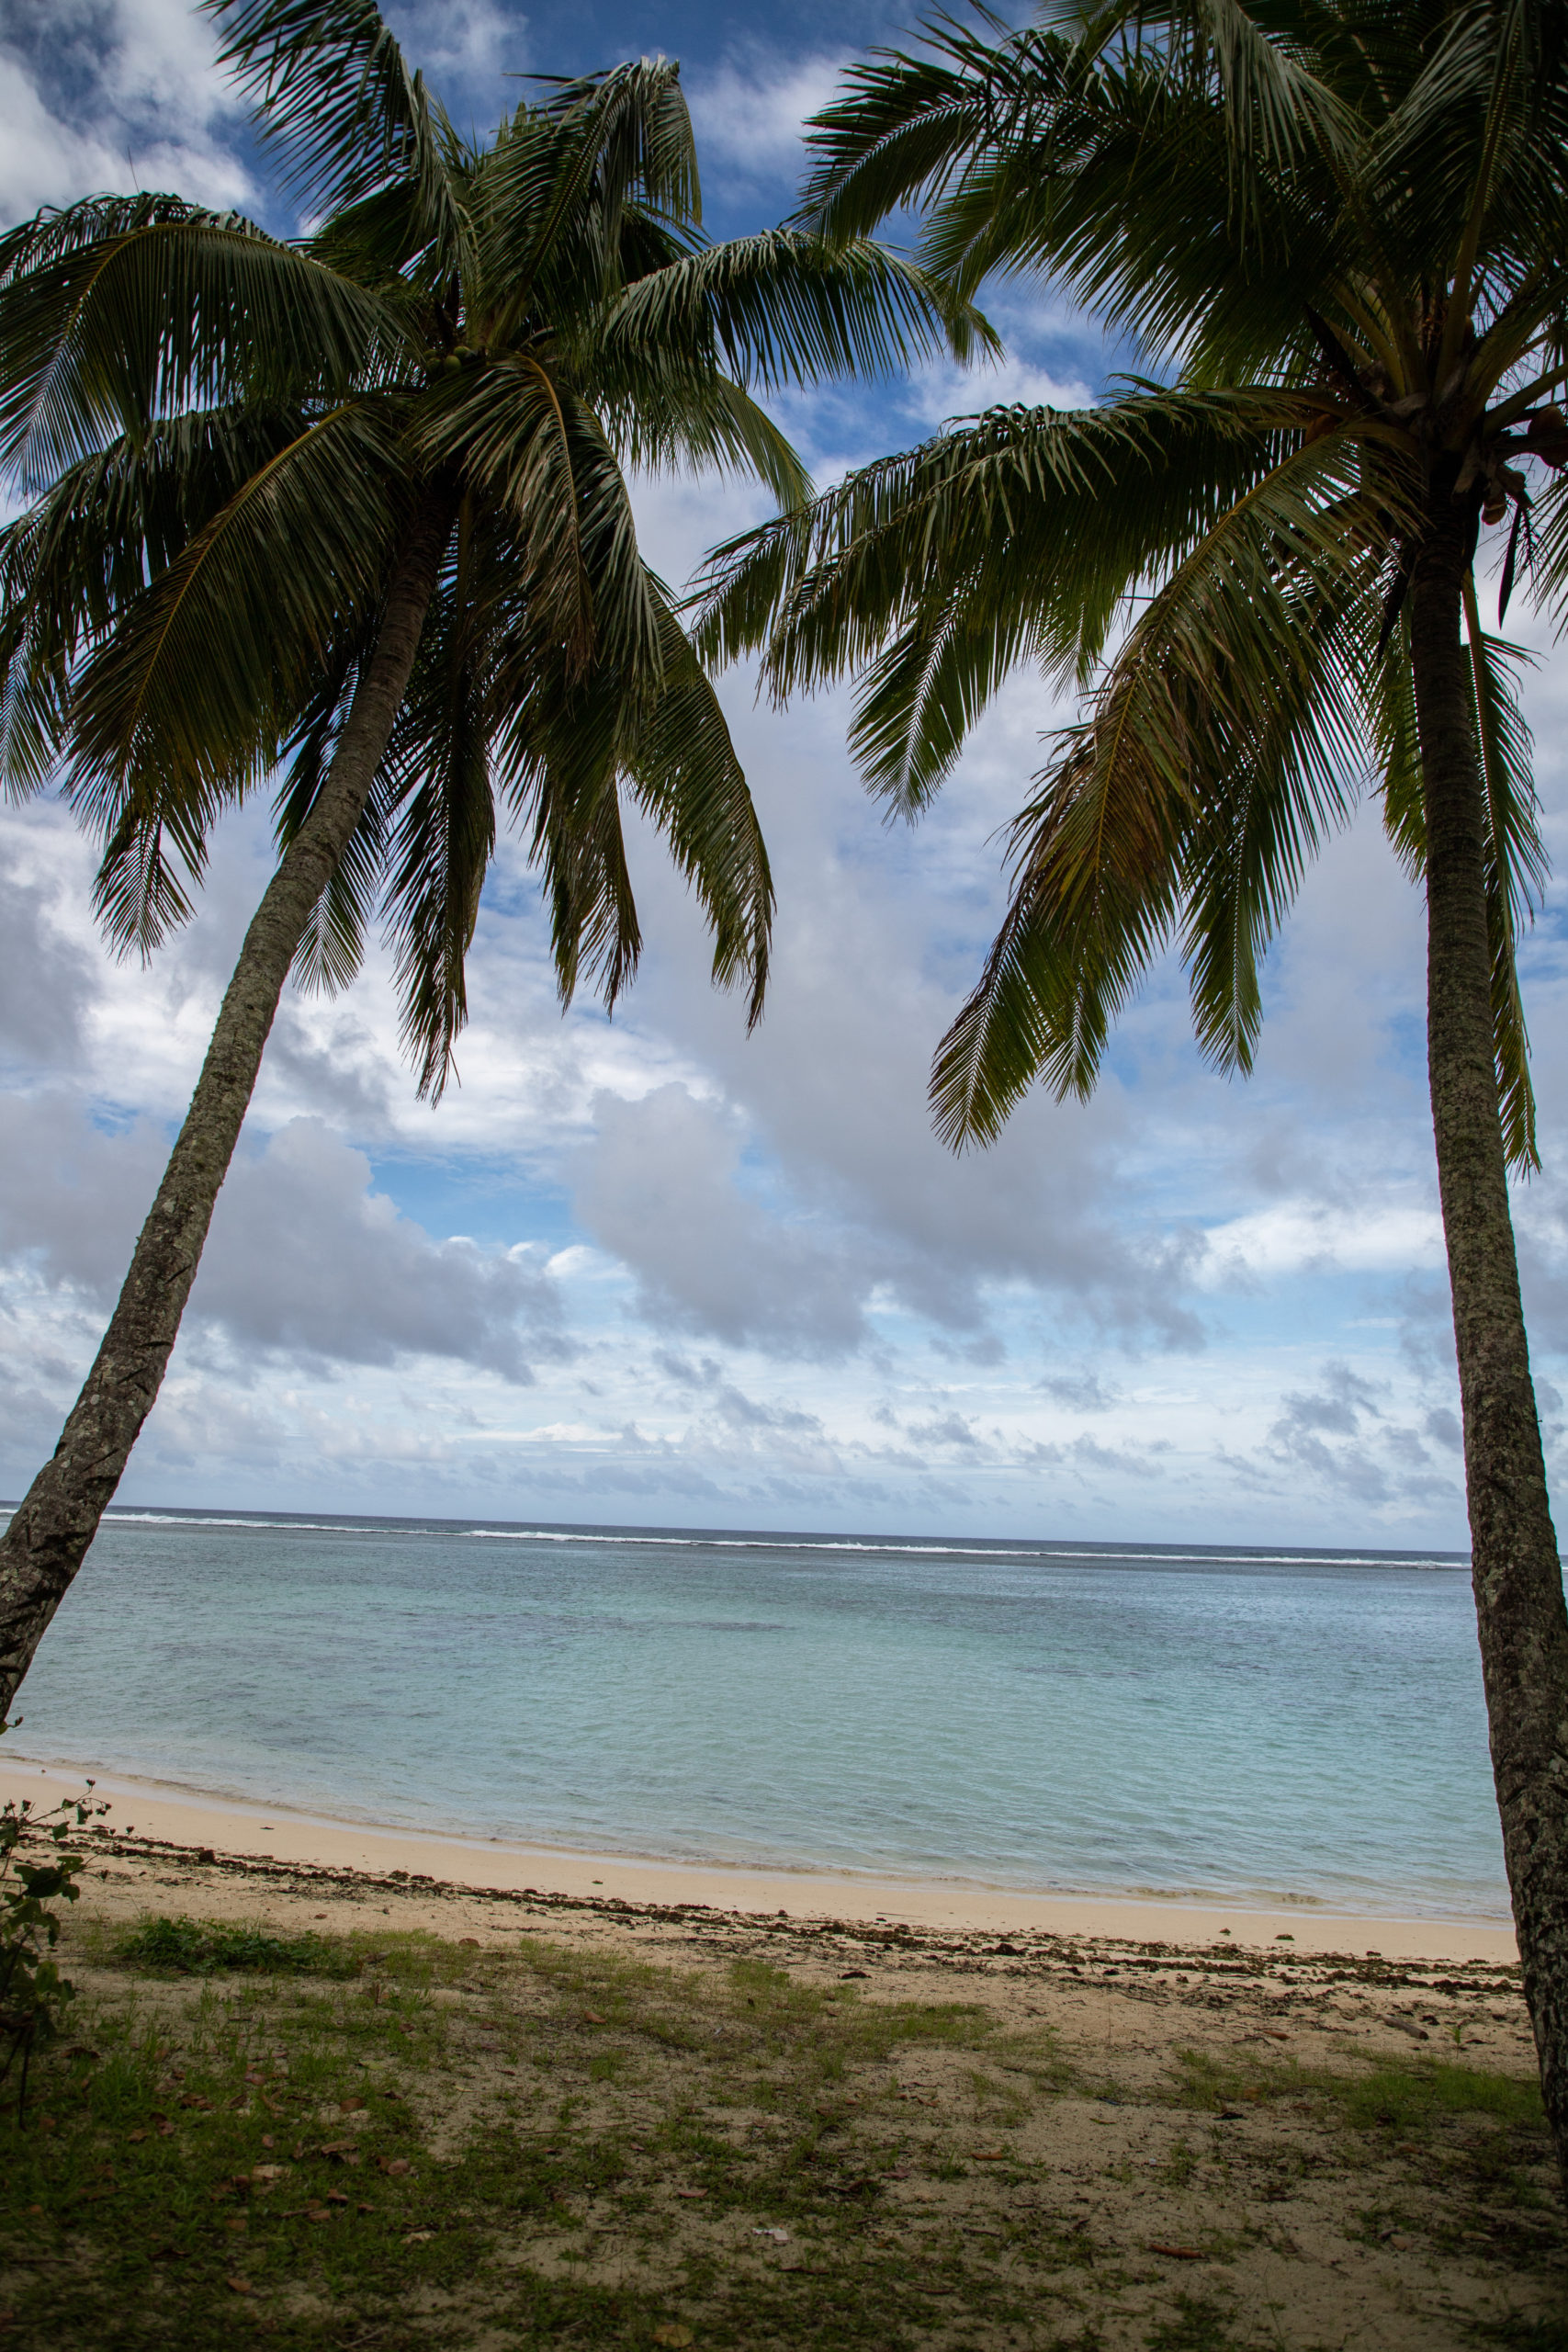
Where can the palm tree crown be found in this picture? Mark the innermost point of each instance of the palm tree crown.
(358, 507)
(231, 435)
(1339, 232)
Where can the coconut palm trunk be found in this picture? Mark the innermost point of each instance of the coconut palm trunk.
(57, 1520)
(1518, 1575)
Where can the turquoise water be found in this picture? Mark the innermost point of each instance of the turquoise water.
(1240, 1725)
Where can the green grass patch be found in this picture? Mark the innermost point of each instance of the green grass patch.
(195, 1948)
(1407, 2096)
(1410, 2097)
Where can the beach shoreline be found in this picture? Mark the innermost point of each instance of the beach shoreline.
(164, 1814)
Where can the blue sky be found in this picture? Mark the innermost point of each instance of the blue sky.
(653, 1270)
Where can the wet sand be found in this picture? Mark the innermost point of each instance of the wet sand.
(146, 1816)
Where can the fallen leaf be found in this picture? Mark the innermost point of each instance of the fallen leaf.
(193, 2099)
(318, 2213)
(267, 2171)
(419, 2237)
(591, 2017)
(136, 2135)
(691, 2192)
(398, 2164)
(779, 2237)
(336, 2197)
(846, 1974)
(673, 2333)
(347, 2106)
(991, 2155)
(1178, 2252)
(473, 1940)
(239, 2286)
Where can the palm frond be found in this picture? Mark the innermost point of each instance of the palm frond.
(181, 308)
(710, 425)
(1516, 868)
(332, 945)
(199, 685)
(780, 308)
(1224, 741)
(73, 564)
(686, 776)
(440, 844)
(334, 98)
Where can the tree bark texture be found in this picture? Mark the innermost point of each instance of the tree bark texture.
(51, 1529)
(1518, 1575)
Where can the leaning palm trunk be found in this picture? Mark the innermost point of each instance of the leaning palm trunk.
(51, 1529)
(1518, 1575)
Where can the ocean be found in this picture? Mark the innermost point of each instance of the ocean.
(1246, 1726)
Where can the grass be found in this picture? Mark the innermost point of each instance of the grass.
(186, 1947)
(307, 2134)
(395, 2141)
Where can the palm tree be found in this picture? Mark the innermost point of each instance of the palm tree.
(357, 506)
(1338, 231)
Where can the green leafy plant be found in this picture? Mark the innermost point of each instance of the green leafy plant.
(32, 1991)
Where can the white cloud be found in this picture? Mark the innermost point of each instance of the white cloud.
(1291, 1236)
(113, 94)
(464, 47)
(750, 111)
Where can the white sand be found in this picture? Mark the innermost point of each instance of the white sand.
(186, 1818)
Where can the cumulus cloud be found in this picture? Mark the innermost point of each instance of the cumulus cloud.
(1084, 1391)
(46, 983)
(113, 94)
(658, 1188)
(746, 1281)
(464, 47)
(306, 1259)
(750, 111)
(1342, 1435)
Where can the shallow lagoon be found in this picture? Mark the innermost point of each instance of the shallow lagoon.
(1227, 1722)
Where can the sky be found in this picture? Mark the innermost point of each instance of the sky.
(653, 1271)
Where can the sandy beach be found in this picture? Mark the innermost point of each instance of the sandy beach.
(625, 2103)
(187, 1820)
